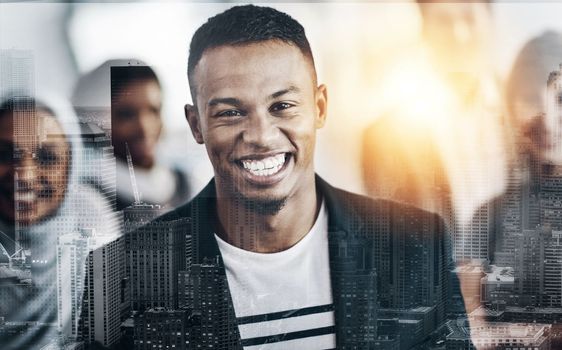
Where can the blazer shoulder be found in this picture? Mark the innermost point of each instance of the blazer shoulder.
(374, 212)
(369, 205)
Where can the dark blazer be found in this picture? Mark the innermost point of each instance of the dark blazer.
(383, 255)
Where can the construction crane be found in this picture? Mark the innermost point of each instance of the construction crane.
(132, 174)
(18, 254)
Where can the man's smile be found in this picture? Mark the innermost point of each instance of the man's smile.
(265, 169)
(258, 113)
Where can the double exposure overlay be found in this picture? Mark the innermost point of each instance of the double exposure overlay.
(326, 175)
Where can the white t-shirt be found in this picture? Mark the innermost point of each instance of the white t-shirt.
(283, 300)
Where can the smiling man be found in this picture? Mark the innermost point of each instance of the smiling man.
(298, 264)
(256, 109)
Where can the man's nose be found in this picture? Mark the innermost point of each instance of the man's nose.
(261, 130)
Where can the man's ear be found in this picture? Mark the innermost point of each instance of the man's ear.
(321, 105)
(193, 120)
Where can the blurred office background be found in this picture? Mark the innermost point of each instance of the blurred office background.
(356, 45)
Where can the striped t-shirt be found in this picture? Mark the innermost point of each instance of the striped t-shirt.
(283, 300)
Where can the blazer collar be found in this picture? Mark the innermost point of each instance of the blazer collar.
(342, 217)
(204, 221)
(343, 223)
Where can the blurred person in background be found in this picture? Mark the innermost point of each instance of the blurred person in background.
(41, 200)
(438, 145)
(533, 102)
(528, 214)
(134, 93)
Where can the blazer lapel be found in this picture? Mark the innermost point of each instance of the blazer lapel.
(352, 271)
(203, 227)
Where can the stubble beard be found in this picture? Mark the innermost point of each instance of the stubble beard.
(267, 206)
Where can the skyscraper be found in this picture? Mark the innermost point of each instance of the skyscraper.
(17, 73)
(359, 281)
(160, 328)
(17, 81)
(155, 253)
(101, 305)
(72, 252)
(207, 296)
(529, 265)
(419, 263)
(98, 166)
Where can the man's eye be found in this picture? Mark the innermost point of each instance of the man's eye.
(230, 113)
(125, 114)
(280, 106)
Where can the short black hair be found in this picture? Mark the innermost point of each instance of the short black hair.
(124, 75)
(246, 24)
(23, 103)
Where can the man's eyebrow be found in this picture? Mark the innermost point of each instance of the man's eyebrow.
(283, 92)
(224, 100)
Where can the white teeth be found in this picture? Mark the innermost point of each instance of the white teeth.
(265, 167)
(25, 196)
(268, 164)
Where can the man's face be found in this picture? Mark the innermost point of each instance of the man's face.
(42, 176)
(136, 120)
(257, 111)
(541, 125)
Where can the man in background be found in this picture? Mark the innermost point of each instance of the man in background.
(133, 92)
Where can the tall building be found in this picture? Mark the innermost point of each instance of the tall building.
(17, 81)
(418, 272)
(160, 328)
(355, 288)
(101, 305)
(551, 196)
(17, 73)
(155, 253)
(72, 252)
(474, 239)
(97, 166)
(207, 295)
(140, 214)
(411, 258)
(538, 268)
(519, 208)
(553, 271)
(529, 266)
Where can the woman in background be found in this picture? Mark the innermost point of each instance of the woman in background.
(44, 210)
(526, 245)
(534, 106)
